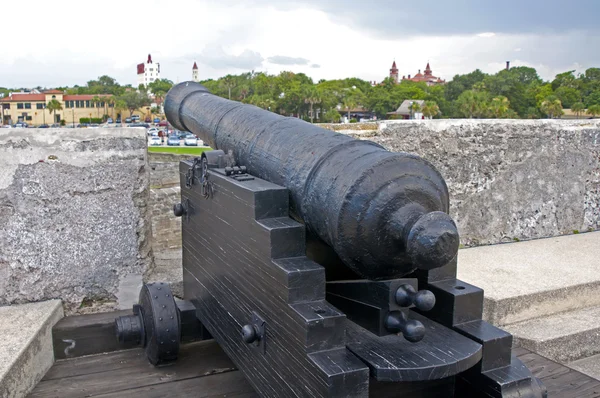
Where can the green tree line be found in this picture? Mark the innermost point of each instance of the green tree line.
(517, 92)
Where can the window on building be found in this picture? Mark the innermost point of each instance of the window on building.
(54, 97)
(39, 106)
(28, 105)
(87, 104)
(19, 106)
(28, 118)
(78, 104)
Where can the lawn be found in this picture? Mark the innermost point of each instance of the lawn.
(180, 150)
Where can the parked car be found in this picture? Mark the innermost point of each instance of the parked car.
(43, 126)
(152, 131)
(20, 125)
(55, 125)
(155, 141)
(164, 123)
(144, 125)
(173, 140)
(156, 120)
(118, 121)
(128, 120)
(135, 118)
(190, 140)
(109, 120)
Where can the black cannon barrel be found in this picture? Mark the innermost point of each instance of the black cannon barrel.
(384, 213)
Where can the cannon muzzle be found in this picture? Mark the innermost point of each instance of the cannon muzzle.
(385, 214)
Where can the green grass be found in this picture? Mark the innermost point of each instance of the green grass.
(180, 150)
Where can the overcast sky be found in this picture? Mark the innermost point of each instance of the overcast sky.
(68, 42)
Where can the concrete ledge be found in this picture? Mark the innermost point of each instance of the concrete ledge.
(26, 351)
(536, 278)
(589, 366)
(562, 337)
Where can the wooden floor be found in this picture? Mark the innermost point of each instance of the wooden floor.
(203, 370)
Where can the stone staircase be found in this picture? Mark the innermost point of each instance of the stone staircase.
(545, 292)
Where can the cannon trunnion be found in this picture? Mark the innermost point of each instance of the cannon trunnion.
(323, 266)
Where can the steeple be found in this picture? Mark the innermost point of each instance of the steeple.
(195, 75)
(394, 72)
(428, 70)
(149, 59)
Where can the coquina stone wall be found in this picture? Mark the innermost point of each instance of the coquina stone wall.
(74, 216)
(509, 180)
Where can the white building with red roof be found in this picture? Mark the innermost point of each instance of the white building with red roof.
(147, 72)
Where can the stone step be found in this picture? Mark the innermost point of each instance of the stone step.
(564, 337)
(589, 366)
(536, 278)
(26, 351)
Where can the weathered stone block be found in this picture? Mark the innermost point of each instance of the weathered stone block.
(74, 215)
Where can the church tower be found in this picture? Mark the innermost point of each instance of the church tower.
(195, 76)
(394, 72)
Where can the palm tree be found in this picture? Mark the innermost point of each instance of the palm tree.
(593, 110)
(551, 107)
(311, 97)
(414, 107)
(430, 109)
(578, 108)
(500, 106)
(228, 82)
(349, 103)
(96, 102)
(53, 106)
(472, 103)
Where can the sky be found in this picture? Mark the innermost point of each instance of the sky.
(68, 42)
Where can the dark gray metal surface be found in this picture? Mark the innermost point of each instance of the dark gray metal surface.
(383, 213)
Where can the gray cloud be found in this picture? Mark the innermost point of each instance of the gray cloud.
(391, 19)
(283, 60)
(315, 66)
(216, 58)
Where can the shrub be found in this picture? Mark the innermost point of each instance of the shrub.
(94, 120)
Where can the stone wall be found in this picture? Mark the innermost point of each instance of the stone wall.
(509, 180)
(164, 192)
(74, 216)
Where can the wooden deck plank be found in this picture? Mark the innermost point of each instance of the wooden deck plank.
(102, 377)
(203, 370)
(230, 384)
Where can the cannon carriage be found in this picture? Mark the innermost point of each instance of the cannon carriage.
(324, 266)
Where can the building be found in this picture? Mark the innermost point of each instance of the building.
(404, 111)
(394, 72)
(195, 76)
(147, 72)
(31, 108)
(426, 77)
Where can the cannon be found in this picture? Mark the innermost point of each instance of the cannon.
(323, 265)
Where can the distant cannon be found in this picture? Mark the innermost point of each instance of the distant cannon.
(323, 265)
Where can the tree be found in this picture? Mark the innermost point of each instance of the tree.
(499, 106)
(552, 107)
(568, 96)
(120, 106)
(578, 108)
(594, 110)
(472, 103)
(53, 106)
(414, 107)
(134, 100)
(228, 83)
(430, 109)
(311, 97)
(160, 88)
(96, 102)
(332, 116)
(352, 98)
